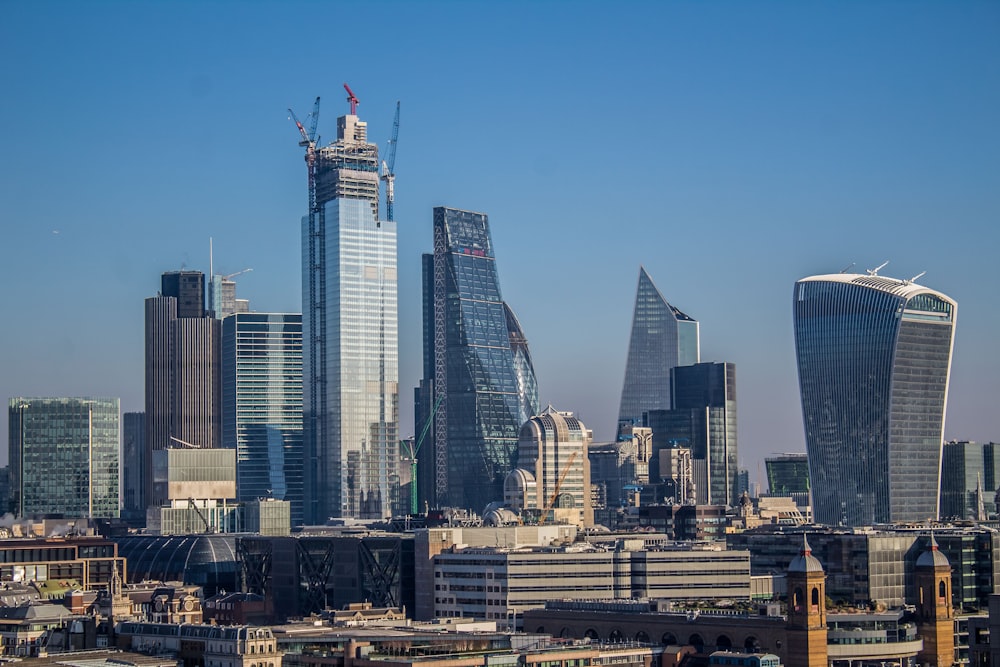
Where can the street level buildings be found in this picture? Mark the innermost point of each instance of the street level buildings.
(874, 357)
(662, 337)
(479, 385)
(64, 457)
(350, 351)
(262, 405)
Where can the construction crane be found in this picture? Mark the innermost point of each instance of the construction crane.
(555, 493)
(414, 449)
(352, 99)
(238, 273)
(389, 167)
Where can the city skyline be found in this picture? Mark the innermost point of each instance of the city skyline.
(767, 144)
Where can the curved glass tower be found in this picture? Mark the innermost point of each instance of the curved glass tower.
(874, 357)
(478, 372)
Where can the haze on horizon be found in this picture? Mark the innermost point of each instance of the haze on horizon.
(730, 148)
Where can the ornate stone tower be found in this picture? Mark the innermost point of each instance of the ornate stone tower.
(806, 626)
(935, 616)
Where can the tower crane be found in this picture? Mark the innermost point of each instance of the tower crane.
(238, 273)
(389, 167)
(414, 449)
(555, 493)
(352, 98)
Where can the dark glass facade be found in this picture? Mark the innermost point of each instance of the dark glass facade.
(262, 405)
(480, 363)
(662, 337)
(703, 419)
(64, 456)
(874, 356)
(787, 474)
(968, 473)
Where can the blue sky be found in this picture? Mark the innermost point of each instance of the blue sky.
(729, 147)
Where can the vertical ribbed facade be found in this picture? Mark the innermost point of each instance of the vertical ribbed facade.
(161, 313)
(662, 337)
(196, 408)
(183, 395)
(262, 405)
(553, 446)
(482, 378)
(874, 357)
(64, 456)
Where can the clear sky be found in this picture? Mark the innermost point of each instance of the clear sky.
(729, 147)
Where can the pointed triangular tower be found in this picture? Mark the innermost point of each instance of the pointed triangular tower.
(662, 337)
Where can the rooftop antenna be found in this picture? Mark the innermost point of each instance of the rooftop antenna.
(211, 270)
(874, 272)
(848, 267)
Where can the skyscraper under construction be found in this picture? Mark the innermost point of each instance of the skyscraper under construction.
(350, 351)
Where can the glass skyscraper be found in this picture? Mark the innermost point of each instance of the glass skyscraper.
(662, 337)
(702, 418)
(874, 357)
(262, 405)
(64, 456)
(477, 369)
(349, 328)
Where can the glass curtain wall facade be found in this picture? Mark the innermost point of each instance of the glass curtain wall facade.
(874, 358)
(703, 419)
(262, 405)
(662, 337)
(64, 455)
(967, 474)
(482, 381)
(787, 474)
(349, 327)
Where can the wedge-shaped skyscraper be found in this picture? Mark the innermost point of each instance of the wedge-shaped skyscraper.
(662, 337)
(874, 357)
(477, 370)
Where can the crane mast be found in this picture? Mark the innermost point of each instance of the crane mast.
(314, 312)
(389, 168)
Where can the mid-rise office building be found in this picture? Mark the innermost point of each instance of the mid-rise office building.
(262, 405)
(662, 337)
(874, 358)
(478, 382)
(553, 469)
(968, 473)
(502, 583)
(787, 474)
(350, 355)
(702, 418)
(64, 457)
(183, 387)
